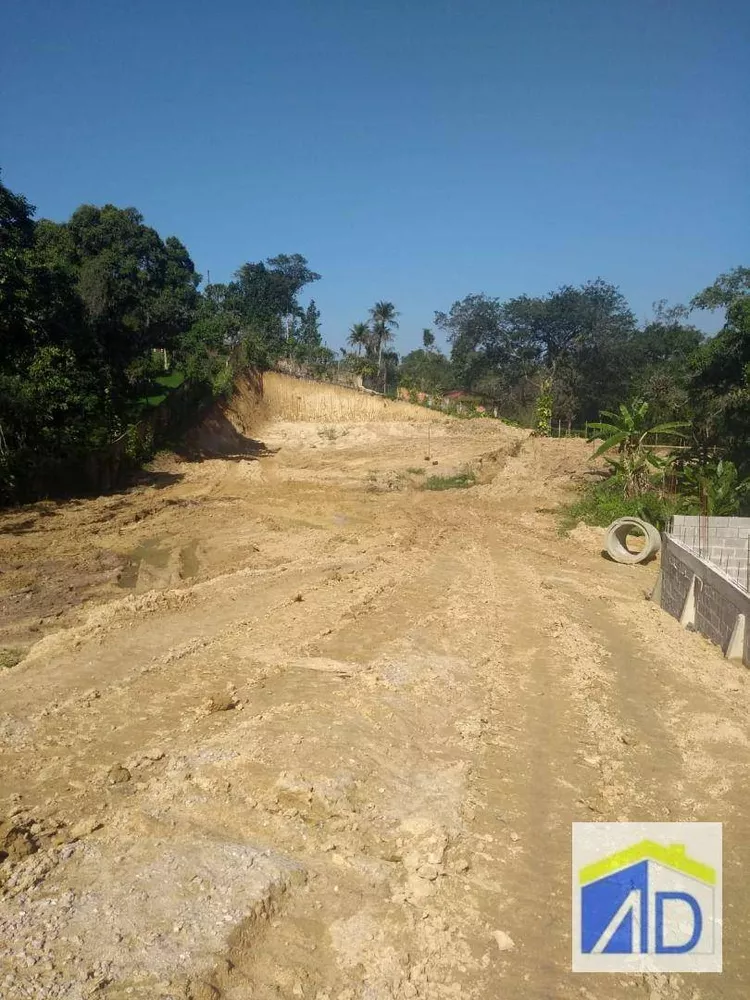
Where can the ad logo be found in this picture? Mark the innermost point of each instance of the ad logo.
(647, 897)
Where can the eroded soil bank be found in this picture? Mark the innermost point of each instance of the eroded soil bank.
(291, 726)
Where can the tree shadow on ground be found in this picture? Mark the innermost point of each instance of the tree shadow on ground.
(147, 477)
(68, 496)
(217, 437)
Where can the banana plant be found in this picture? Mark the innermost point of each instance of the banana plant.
(714, 488)
(628, 430)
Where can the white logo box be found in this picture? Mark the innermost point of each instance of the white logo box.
(646, 897)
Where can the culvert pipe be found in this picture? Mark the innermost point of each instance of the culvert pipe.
(617, 536)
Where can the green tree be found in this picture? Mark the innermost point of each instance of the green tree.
(428, 339)
(659, 358)
(719, 387)
(54, 391)
(568, 344)
(309, 336)
(479, 347)
(556, 335)
(136, 292)
(360, 338)
(384, 322)
(426, 371)
(16, 245)
(263, 296)
(293, 269)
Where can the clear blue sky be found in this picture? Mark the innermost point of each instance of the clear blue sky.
(414, 151)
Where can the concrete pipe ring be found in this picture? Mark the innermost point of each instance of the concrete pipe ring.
(617, 536)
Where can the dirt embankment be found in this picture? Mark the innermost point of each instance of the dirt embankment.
(321, 733)
(56, 556)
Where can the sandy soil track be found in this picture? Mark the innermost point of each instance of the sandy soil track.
(291, 726)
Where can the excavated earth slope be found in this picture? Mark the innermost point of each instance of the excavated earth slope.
(288, 725)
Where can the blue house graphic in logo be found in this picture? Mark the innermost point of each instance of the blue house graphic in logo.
(647, 899)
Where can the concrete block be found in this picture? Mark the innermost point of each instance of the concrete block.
(727, 532)
(687, 616)
(736, 646)
(709, 596)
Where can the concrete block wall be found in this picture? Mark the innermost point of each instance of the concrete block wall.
(723, 541)
(717, 600)
(676, 578)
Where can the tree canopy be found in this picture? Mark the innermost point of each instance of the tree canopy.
(96, 310)
(100, 316)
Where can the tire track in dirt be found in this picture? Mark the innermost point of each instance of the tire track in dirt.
(408, 746)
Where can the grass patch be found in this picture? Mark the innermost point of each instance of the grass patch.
(156, 397)
(152, 400)
(600, 504)
(460, 481)
(9, 657)
(172, 381)
(415, 470)
(332, 433)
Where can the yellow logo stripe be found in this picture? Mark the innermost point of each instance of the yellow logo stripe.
(673, 856)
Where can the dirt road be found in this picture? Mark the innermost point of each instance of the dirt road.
(292, 726)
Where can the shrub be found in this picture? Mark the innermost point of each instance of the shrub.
(139, 442)
(10, 656)
(715, 488)
(602, 503)
(460, 481)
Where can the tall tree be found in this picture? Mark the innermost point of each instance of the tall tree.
(548, 339)
(264, 295)
(426, 371)
(720, 385)
(479, 347)
(384, 322)
(360, 337)
(660, 360)
(138, 291)
(16, 243)
(293, 269)
(309, 328)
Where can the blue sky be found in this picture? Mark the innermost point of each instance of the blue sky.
(413, 151)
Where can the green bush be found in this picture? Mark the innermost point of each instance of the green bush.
(460, 481)
(139, 443)
(715, 488)
(10, 656)
(602, 503)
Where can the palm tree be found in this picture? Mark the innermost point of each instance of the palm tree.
(383, 323)
(360, 336)
(628, 431)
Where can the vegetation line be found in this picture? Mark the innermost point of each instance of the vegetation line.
(103, 322)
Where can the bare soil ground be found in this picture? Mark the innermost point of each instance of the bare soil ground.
(288, 725)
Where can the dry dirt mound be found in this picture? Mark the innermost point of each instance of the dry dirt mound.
(287, 398)
(544, 469)
(227, 428)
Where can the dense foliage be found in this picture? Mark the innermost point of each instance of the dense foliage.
(101, 318)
